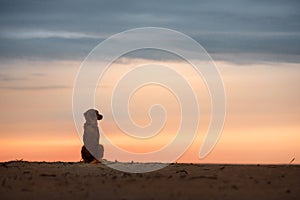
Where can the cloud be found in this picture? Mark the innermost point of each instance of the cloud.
(6, 77)
(70, 29)
(44, 34)
(48, 87)
(46, 49)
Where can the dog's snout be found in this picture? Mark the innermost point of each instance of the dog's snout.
(99, 116)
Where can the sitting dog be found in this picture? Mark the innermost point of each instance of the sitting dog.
(92, 151)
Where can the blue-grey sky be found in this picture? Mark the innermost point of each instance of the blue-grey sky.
(233, 30)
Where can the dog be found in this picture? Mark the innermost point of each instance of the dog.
(92, 151)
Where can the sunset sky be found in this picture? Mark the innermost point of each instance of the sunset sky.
(254, 44)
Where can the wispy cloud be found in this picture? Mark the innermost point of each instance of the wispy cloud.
(44, 34)
(6, 77)
(47, 87)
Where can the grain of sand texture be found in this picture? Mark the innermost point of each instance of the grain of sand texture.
(59, 180)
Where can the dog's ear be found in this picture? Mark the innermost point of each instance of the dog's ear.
(90, 115)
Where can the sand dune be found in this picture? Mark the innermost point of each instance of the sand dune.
(59, 180)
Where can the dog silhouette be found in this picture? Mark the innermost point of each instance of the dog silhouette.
(92, 151)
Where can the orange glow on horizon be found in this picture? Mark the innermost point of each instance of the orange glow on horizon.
(231, 148)
(262, 122)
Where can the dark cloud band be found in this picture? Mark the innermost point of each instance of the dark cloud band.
(70, 29)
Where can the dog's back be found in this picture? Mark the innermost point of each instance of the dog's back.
(88, 157)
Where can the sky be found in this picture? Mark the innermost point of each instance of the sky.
(254, 44)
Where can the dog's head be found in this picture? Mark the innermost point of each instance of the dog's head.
(92, 116)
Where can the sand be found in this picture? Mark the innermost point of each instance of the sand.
(59, 180)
